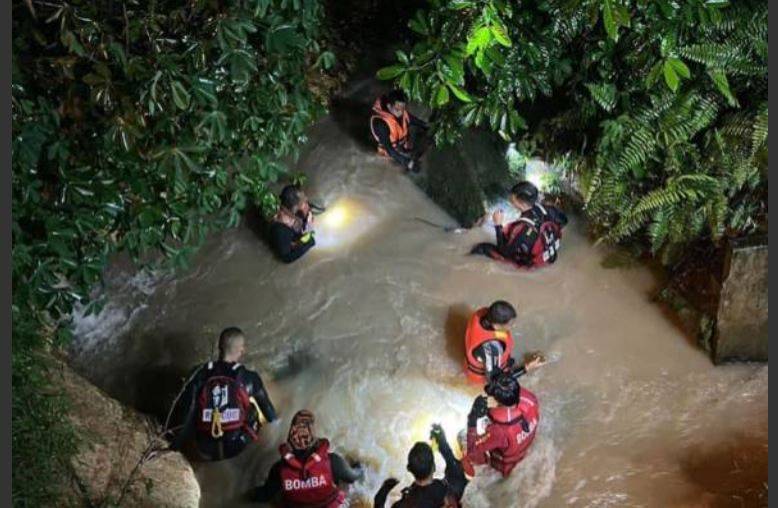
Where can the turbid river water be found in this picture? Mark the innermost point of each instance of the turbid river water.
(367, 330)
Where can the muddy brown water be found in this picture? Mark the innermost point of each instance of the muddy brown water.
(367, 329)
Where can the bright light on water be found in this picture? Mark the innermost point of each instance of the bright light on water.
(344, 221)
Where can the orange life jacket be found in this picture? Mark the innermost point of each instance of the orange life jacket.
(398, 129)
(476, 336)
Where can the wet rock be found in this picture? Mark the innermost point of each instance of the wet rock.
(464, 177)
(741, 331)
(108, 469)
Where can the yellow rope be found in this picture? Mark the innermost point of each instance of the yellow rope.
(260, 417)
(216, 424)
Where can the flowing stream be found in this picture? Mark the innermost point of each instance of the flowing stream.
(367, 331)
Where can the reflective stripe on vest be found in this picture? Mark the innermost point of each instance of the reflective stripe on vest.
(477, 335)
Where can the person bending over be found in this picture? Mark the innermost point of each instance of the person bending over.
(531, 241)
(488, 341)
(427, 491)
(391, 125)
(308, 474)
(509, 427)
(225, 403)
(291, 230)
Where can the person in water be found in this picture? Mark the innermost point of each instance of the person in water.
(531, 241)
(427, 491)
(488, 341)
(307, 474)
(391, 126)
(226, 403)
(509, 427)
(291, 230)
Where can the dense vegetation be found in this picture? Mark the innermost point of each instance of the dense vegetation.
(659, 106)
(137, 127)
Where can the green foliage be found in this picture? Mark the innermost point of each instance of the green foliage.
(138, 127)
(664, 102)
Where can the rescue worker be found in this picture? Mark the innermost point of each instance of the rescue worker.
(291, 230)
(226, 403)
(391, 125)
(308, 474)
(509, 427)
(531, 241)
(488, 341)
(427, 491)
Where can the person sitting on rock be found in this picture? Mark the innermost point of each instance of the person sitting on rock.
(307, 474)
(531, 241)
(291, 229)
(225, 403)
(391, 125)
(427, 491)
(509, 427)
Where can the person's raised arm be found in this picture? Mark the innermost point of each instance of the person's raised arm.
(454, 475)
(343, 472)
(380, 497)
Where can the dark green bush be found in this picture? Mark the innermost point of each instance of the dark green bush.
(662, 104)
(137, 126)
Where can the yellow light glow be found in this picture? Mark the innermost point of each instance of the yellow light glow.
(337, 217)
(452, 424)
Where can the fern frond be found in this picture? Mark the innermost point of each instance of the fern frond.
(604, 94)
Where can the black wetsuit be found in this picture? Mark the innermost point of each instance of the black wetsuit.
(341, 473)
(519, 251)
(434, 494)
(233, 442)
(286, 242)
(382, 132)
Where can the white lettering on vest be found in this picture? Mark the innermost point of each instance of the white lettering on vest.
(522, 436)
(314, 482)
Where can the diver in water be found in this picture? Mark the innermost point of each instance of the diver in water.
(391, 126)
(225, 403)
(291, 230)
(427, 491)
(531, 241)
(509, 427)
(307, 474)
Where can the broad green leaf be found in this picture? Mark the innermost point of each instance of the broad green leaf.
(671, 78)
(500, 35)
(460, 93)
(390, 72)
(607, 19)
(441, 96)
(478, 40)
(679, 67)
(722, 83)
(180, 95)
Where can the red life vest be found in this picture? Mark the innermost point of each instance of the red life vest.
(224, 405)
(546, 247)
(476, 336)
(309, 484)
(510, 419)
(398, 129)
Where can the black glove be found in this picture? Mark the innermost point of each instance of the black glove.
(437, 434)
(524, 425)
(479, 409)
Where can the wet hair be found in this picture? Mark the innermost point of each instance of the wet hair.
(421, 462)
(505, 389)
(290, 196)
(525, 191)
(500, 313)
(227, 340)
(393, 97)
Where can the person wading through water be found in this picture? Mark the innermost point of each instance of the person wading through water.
(225, 403)
(308, 474)
(427, 491)
(489, 343)
(291, 229)
(534, 239)
(391, 126)
(508, 430)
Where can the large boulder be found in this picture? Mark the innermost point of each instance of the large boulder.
(109, 467)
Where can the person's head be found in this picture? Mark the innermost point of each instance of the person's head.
(505, 389)
(302, 434)
(232, 344)
(421, 462)
(292, 198)
(394, 102)
(500, 315)
(524, 195)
